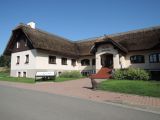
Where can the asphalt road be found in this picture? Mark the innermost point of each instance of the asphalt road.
(20, 104)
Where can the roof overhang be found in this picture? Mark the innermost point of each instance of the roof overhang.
(108, 41)
(14, 35)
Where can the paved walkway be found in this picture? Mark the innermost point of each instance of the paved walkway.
(80, 88)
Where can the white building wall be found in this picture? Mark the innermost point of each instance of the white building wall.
(39, 61)
(122, 61)
(22, 66)
(107, 49)
(89, 67)
(147, 64)
(31, 65)
(42, 61)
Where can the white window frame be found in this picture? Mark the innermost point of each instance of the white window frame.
(25, 73)
(27, 59)
(18, 44)
(18, 75)
(18, 60)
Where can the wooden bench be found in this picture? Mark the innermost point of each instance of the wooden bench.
(45, 75)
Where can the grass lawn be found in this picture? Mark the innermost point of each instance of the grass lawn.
(62, 79)
(5, 77)
(144, 88)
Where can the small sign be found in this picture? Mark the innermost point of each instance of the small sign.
(45, 74)
(105, 50)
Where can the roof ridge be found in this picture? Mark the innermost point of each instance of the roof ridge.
(118, 34)
(91, 38)
(134, 31)
(88, 39)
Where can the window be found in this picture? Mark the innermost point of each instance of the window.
(19, 74)
(85, 62)
(52, 59)
(18, 60)
(137, 59)
(25, 44)
(24, 74)
(18, 44)
(154, 58)
(27, 59)
(64, 61)
(73, 62)
(93, 61)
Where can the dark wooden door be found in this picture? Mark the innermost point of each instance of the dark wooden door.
(109, 61)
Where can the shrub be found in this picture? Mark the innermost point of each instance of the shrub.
(131, 74)
(71, 74)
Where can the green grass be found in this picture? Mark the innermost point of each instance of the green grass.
(5, 77)
(144, 88)
(62, 79)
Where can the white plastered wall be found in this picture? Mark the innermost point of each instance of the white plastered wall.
(42, 62)
(39, 61)
(22, 66)
(147, 64)
(89, 67)
(107, 49)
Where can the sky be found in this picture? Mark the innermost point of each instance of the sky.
(78, 19)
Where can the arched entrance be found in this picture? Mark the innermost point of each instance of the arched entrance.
(107, 60)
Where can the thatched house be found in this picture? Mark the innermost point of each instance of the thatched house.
(34, 50)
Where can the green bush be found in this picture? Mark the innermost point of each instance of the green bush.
(71, 74)
(131, 74)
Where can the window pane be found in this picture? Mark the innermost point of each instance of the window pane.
(64, 61)
(18, 59)
(137, 59)
(27, 59)
(18, 44)
(154, 58)
(85, 62)
(19, 74)
(52, 59)
(93, 62)
(73, 62)
(24, 74)
(151, 58)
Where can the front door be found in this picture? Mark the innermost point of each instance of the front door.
(107, 60)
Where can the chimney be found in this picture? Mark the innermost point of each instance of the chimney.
(32, 24)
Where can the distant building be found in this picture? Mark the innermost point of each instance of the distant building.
(34, 50)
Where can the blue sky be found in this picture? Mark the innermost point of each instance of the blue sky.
(78, 19)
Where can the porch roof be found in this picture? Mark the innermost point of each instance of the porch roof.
(107, 40)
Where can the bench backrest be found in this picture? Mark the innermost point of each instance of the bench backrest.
(43, 74)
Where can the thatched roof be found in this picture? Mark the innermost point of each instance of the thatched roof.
(136, 40)
(142, 39)
(46, 41)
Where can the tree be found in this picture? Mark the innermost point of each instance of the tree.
(5, 61)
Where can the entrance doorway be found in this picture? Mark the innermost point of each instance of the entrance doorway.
(107, 60)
